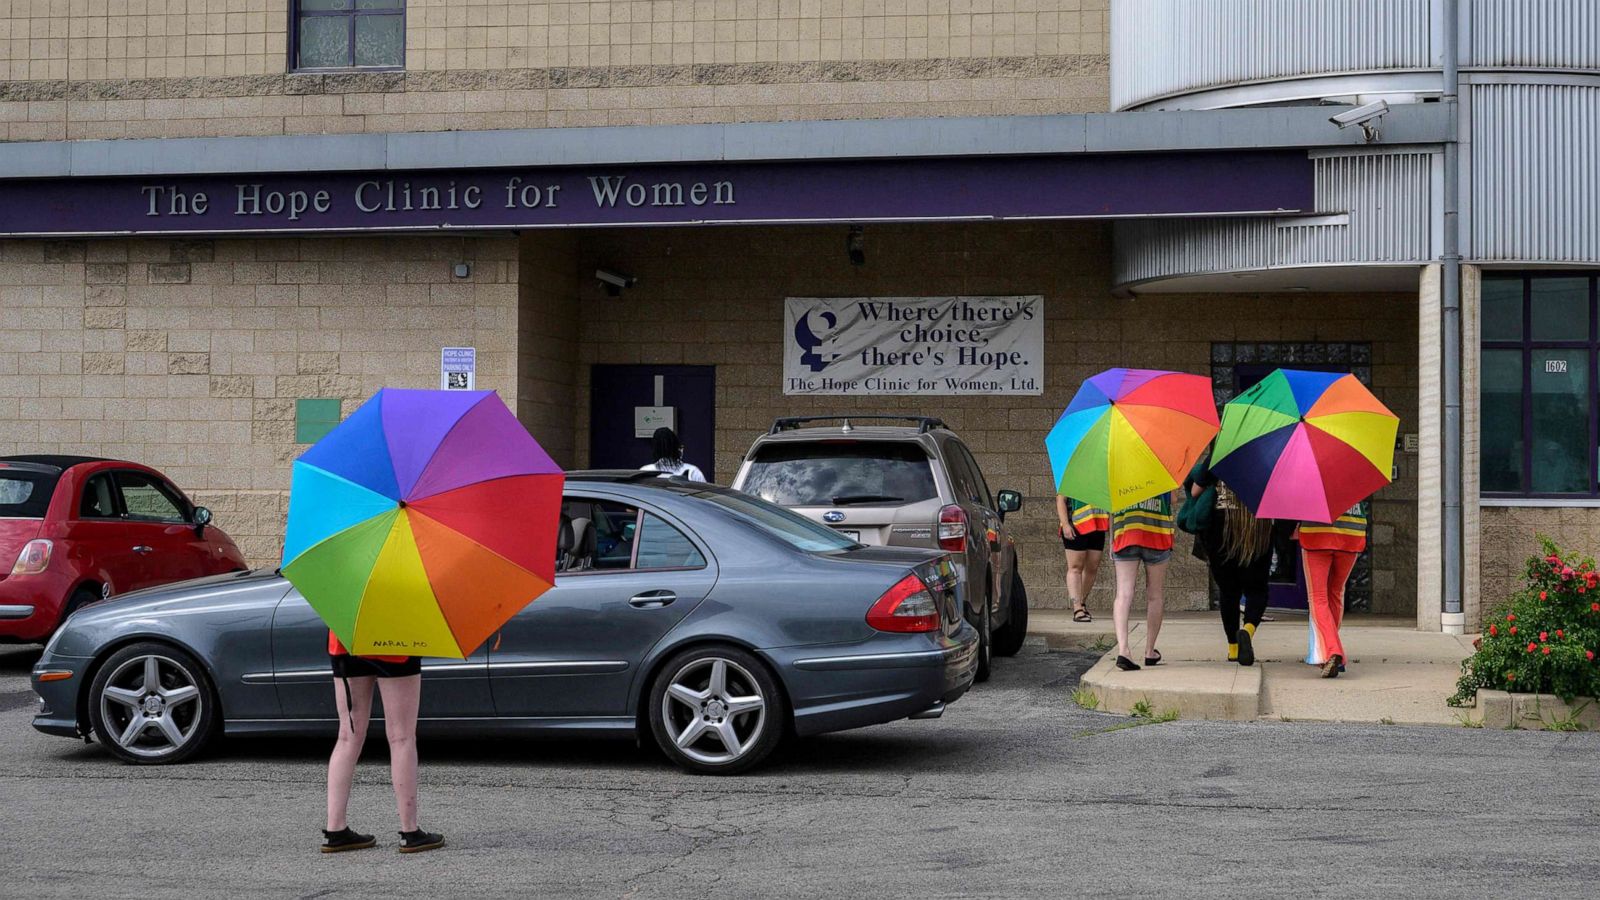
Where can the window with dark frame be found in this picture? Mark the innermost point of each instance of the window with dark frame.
(1540, 413)
(348, 34)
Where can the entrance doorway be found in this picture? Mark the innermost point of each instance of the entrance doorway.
(615, 391)
(1237, 367)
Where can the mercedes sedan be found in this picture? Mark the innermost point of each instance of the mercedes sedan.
(715, 622)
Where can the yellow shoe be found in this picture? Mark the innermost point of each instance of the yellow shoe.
(1233, 652)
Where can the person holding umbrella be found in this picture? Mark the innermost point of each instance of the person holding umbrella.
(1237, 549)
(1125, 442)
(417, 527)
(1301, 446)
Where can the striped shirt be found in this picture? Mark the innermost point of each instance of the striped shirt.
(1149, 524)
(1088, 519)
(1347, 534)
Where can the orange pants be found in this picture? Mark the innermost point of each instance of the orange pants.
(1326, 573)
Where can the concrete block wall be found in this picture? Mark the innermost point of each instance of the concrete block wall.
(1510, 534)
(189, 355)
(547, 340)
(96, 69)
(714, 297)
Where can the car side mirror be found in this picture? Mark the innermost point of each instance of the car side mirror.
(1009, 501)
(202, 518)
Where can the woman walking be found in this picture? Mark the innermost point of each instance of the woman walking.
(667, 451)
(399, 680)
(1083, 536)
(1237, 548)
(1141, 534)
(1329, 554)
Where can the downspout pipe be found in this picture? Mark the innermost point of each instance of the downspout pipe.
(1453, 618)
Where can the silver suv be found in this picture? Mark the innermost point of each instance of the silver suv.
(901, 485)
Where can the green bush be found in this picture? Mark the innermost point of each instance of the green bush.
(1546, 638)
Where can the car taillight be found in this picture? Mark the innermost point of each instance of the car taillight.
(953, 529)
(33, 559)
(906, 607)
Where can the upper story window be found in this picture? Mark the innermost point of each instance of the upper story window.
(1541, 413)
(349, 34)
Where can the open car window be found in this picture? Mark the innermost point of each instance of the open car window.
(99, 498)
(605, 535)
(148, 499)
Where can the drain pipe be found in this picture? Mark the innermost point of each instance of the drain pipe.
(1453, 618)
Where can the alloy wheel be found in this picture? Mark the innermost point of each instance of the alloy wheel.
(151, 706)
(714, 710)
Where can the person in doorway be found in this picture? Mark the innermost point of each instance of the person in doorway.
(399, 679)
(1083, 536)
(1329, 553)
(667, 451)
(1237, 548)
(1141, 534)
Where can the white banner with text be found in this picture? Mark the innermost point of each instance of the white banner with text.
(913, 345)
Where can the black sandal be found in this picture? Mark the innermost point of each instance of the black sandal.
(1154, 660)
(1080, 613)
(1127, 665)
(344, 839)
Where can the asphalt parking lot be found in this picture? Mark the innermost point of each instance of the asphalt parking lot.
(1015, 792)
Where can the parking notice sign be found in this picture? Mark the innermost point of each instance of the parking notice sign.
(458, 368)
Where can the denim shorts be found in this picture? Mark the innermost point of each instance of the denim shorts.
(1147, 555)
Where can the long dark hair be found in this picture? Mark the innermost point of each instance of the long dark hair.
(665, 446)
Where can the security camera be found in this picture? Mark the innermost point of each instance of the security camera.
(613, 282)
(1367, 115)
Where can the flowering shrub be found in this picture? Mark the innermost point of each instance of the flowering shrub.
(1545, 639)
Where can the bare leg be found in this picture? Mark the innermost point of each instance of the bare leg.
(1127, 573)
(401, 697)
(347, 749)
(1075, 577)
(1155, 582)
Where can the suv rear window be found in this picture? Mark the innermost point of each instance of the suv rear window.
(25, 495)
(841, 473)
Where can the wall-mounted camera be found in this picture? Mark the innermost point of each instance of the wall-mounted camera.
(1368, 115)
(613, 283)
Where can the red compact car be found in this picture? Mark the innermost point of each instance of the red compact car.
(74, 529)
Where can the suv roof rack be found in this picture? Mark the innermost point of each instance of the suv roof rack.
(925, 424)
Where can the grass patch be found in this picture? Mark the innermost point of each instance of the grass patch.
(1102, 643)
(1143, 710)
(1568, 722)
(1465, 720)
(1086, 698)
(1386, 721)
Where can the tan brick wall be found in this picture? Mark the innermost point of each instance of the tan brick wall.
(95, 69)
(547, 336)
(189, 356)
(1510, 534)
(87, 40)
(714, 297)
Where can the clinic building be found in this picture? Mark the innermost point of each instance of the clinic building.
(224, 224)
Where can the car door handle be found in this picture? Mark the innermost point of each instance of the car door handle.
(143, 549)
(652, 599)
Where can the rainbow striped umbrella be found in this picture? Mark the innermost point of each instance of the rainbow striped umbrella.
(1305, 445)
(423, 522)
(1129, 435)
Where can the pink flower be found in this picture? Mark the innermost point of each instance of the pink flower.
(1543, 596)
(1547, 651)
(1544, 635)
(1560, 634)
(1589, 654)
(1511, 617)
(1513, 629)
(1532, 646)
(1494, 630)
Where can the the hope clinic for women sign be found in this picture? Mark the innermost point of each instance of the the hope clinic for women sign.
(913, 345)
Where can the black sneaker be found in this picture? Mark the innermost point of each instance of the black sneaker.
(420, 841)
(1247, 650)
(346, 839)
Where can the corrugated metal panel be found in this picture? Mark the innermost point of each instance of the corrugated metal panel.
(1558, 34)
(1386, 196)
(1535, 191)
(1161, 47)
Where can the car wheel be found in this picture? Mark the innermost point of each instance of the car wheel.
(717, 710)
(80, 598)
(985, 644)
(152, 703)
(1008, 639)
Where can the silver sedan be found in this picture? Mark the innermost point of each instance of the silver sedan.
(713, 621)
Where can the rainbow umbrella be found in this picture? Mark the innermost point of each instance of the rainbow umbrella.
(423, 522)
(1129, 435)
(1305, 445)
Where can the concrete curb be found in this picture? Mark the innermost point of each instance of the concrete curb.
(1537, 712)
(1196, 690)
